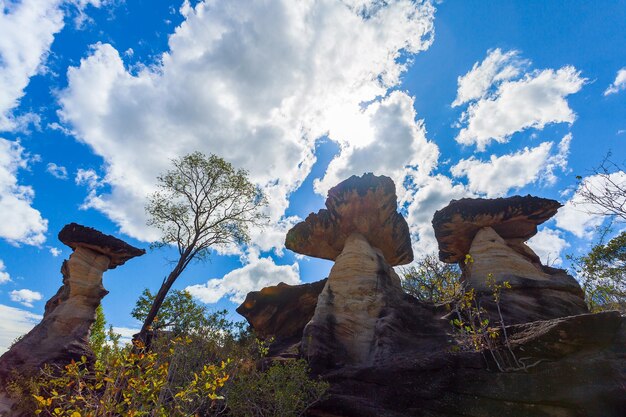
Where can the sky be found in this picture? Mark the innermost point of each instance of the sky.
(450, 99)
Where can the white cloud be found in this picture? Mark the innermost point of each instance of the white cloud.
(619, 84)
(558, 161)
(21, 223)
(495, 68)
(548, 244)
(430, 195)
(87, 177)
(581, 217)
(235, 285)
(500, 174)
(4, 275)
(27, 30)
(57, 171)
(25, 297)
(15, 322)
(398, 146)
(533, 101)
(256, 84)
(54, 251)
(126, 334)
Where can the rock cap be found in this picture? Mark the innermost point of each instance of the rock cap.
(75, 235)
(514, 218)
(365, 205)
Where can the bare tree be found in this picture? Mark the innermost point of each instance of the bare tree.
(604, 192)
(201, 203)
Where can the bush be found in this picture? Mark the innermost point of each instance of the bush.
(133, 384)
(603, 275)
(433, 281)
(284, 390)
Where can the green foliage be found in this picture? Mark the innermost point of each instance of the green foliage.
(432, 281)
(603, 275)
(284, 390)
(97, 333)
(179, 313)
(132, 384)
(204, 201)
(476, 331)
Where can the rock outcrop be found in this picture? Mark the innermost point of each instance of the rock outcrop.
(576, 368)
(282, 310)
(514, 219)
(63, 333)
(386, 354)
(493, 233)
(365, 205)
(362, 314)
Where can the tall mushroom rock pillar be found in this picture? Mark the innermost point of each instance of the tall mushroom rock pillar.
(493, 232)
(362, 232)
(63, 333)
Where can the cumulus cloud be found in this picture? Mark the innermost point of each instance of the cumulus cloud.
(619, 84)
(15, 322)
(54, 251)
(57, 171)
(397, 147)
(581, 217)
(25, 297)
(257, 274)
(495, 68)
(549, 245)
(430, 195)
(498, 175)
(4, 275)
(256, 84)
(21, 223)
(508, 105)
(27, 29)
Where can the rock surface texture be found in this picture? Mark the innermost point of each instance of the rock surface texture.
(63, 333)
(365, 205)
(386, 354)
(362, 314)
(493, 233)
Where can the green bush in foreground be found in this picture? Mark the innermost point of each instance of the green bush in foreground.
(284, 390)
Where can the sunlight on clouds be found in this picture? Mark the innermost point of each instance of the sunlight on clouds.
(399, 146)
(301, 70)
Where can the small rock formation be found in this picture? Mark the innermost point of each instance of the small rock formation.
(281, 311)
(493, 233)
(361, 314)
(63, 333)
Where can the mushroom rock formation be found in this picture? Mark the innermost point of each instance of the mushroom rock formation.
(63, 333)
(362, 313)
(493, 232)
(365, 205)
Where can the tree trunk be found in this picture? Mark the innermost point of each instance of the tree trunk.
(143, 335)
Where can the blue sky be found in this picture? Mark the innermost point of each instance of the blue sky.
(450, 99)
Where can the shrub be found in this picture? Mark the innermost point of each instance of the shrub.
(284, 390)
(431, 280)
